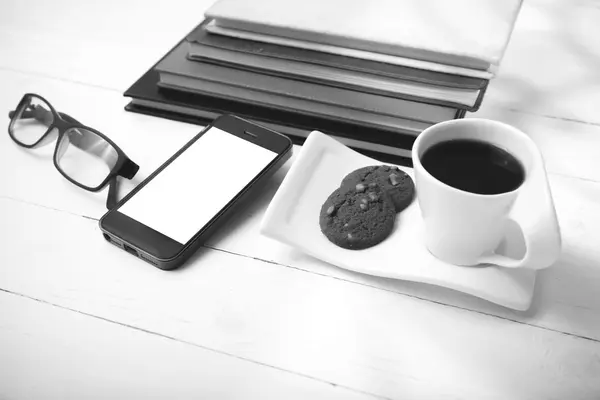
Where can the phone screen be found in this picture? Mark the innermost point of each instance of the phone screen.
(190, 191)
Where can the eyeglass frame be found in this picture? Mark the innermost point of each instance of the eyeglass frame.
(63, 122)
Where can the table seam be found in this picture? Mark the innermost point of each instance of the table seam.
(213, 248)
(408, 295)
(164, 336)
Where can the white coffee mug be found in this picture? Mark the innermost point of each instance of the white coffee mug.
(465, 228)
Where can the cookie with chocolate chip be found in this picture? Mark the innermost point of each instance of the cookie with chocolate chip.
(392, 180)
(357, 218)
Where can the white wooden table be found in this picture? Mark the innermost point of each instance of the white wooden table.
(247, 317)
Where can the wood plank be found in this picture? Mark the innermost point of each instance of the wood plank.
(357, 336)
(126, 38)
(53, 353)
(565, 299)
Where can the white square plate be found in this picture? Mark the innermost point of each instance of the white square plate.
(293, 218)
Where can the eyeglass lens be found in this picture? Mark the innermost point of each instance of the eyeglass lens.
(85, 156)
(31, 120)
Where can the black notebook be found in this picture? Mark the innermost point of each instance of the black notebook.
(179, 72)
(387, 145)
(342, 71)
(147, 98)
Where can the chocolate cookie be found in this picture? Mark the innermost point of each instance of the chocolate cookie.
(357, 219)
(395, 182)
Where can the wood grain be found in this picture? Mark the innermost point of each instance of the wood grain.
(108, 44)
(247, 310)
(356, 336)
(565, 297)
(54, 353)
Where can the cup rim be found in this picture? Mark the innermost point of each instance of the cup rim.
(426, 132)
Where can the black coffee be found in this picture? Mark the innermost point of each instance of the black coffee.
(474, 166)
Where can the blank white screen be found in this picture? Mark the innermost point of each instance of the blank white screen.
(188, 193)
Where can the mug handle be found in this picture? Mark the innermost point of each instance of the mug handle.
(534, 213)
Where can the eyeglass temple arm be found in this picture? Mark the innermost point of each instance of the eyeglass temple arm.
(128, 170)
(35, 111)
(28, 114)
(111, 199)
(42, 115)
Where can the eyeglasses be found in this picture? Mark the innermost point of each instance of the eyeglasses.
(83, 155)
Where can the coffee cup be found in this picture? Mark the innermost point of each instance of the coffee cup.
(478, 181)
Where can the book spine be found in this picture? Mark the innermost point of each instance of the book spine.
(347, 86)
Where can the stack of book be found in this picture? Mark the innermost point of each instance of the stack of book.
(373, 75)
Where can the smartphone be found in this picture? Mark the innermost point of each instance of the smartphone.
(169, 215)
